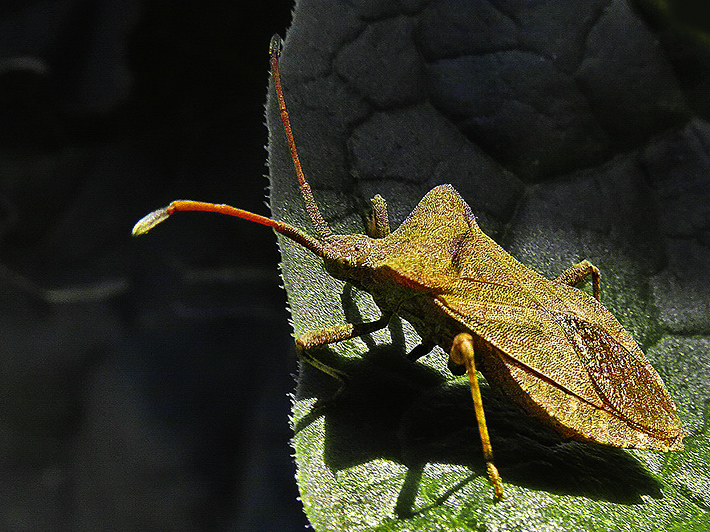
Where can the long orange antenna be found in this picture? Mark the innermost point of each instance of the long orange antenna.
(147, 223)
(311, 206)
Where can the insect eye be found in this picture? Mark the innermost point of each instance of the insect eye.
(346, 261)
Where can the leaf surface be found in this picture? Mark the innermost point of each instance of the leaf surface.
(570, 134)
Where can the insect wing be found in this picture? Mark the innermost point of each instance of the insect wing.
(579, 357)
(529, 336)
(621, 373)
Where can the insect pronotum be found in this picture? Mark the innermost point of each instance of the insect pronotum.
(553, 349)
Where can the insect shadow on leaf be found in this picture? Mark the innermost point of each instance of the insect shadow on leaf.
(409, 414)
(326, 391)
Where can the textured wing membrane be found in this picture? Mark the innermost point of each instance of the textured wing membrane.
(617, 367)
(625, 380)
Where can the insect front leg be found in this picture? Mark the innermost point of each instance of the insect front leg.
(576, 274)
(338, 333)
(378, 223)
(462, 354)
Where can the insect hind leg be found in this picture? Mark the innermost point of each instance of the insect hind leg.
(462, 354)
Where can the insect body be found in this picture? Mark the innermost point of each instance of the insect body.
(553, 349)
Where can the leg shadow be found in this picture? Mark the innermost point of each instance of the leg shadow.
(406, 412)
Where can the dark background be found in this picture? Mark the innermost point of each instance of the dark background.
(144, 382)
(125, 401)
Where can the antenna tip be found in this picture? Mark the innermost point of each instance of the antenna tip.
(149, 221)
(275, 45)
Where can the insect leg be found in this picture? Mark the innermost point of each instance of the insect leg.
(575, 274)
(462, 353)
(338, 333)
(378, 224)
